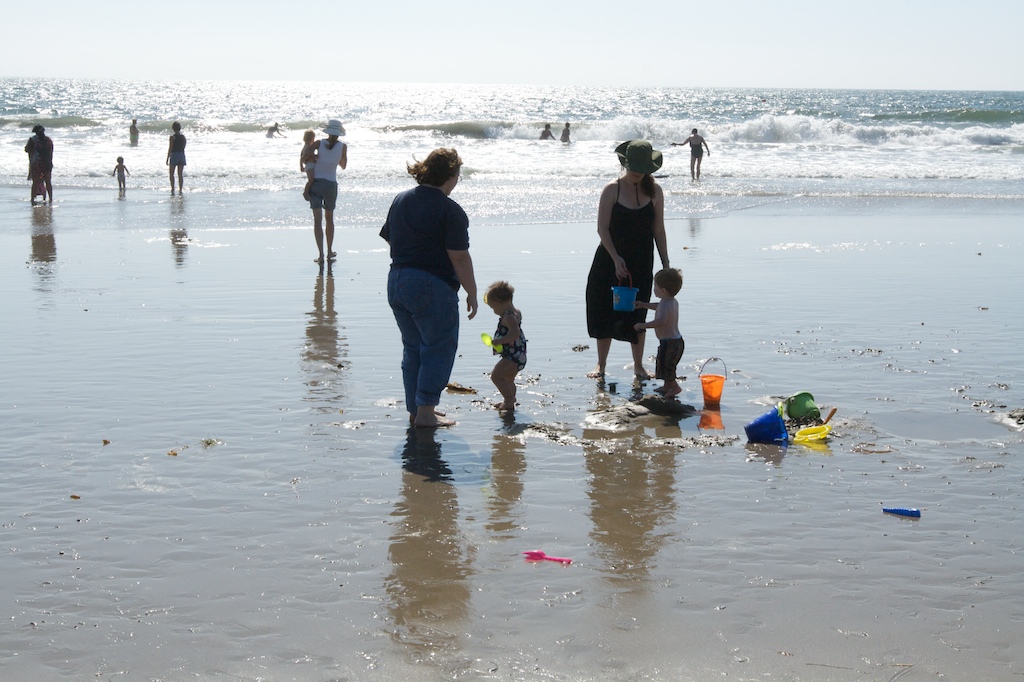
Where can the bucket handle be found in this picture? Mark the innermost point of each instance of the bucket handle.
(629, 278)
(725, 370)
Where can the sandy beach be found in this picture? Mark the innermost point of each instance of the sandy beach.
(209, 474)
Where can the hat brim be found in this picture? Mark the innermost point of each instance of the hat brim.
(646, 167)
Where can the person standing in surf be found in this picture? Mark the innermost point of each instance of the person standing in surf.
(696, 152)
(40, 164)
(176, 157)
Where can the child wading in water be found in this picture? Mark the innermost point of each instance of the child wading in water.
(307, 160)
(119, 171)
(510, 336)
(665, 324)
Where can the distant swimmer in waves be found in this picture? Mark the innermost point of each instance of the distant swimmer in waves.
(274, 131)
(696, 152)
(133, 132)
(565, 133)
(546, 134)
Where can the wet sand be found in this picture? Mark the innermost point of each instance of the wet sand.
(209, 474)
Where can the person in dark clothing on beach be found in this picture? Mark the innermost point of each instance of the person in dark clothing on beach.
(40, 164)
(630, 223)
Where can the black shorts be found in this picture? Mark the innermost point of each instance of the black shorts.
(670, 352)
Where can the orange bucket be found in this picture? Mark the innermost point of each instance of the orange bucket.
(712, 384)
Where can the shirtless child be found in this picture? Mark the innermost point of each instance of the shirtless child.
(665, 324)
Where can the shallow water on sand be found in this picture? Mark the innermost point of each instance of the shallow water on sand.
(208, 471)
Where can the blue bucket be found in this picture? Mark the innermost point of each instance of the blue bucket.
(768, 428)
(623, 298)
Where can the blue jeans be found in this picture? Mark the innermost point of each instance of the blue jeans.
(427, 311)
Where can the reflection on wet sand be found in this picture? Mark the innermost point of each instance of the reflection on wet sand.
(179, 245)
(632, 494)
(179, 230)
(44, 247)
(321, 352)
(508, 464)
(769, 454)
(427, 584)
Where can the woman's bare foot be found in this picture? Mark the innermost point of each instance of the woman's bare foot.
(672, 391)
(412, 417)
(505, 407)
(643, 375)
(435, 423)
(660, 389)
(428, 417)
(596, 373)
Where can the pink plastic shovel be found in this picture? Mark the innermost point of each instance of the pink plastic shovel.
(537, 555)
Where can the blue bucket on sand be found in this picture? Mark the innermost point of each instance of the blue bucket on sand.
(768, 428)
(623, 298)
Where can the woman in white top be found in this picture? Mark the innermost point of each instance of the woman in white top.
(323, 193)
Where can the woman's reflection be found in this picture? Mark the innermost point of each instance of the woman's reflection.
(427, 585)
(321, 350)
(44, 247)
(179, 245)
(632, 495)
(179, 231)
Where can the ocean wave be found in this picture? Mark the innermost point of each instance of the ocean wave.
(765, 129)
(770, 129)
(953, 116)
(51, 122)
(476, 130)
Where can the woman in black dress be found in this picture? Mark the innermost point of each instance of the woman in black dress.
(630, 222)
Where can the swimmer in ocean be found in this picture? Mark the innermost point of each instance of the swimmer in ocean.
(696, 152)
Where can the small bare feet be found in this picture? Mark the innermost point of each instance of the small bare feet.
(596, 373)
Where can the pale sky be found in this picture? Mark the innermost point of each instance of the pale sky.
(911, 44)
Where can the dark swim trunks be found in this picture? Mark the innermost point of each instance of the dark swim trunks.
(670, 352)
